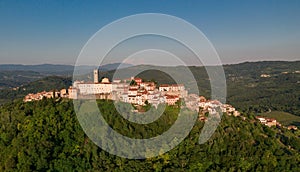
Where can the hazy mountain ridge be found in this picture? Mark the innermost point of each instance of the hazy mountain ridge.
(14, 75)
(57, 69)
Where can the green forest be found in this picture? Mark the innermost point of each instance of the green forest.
(46, 136)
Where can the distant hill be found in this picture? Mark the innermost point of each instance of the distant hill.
(249, 91)
(114, 66)
(10, 79)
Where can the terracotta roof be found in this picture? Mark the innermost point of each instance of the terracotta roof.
(171, 97)
(133, 89)
(164, 85)
(271, 119)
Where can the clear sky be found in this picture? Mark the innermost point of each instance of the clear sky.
(35, 32)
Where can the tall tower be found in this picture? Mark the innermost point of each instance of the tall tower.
(96, 75)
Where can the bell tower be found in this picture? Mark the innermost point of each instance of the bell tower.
(96, 76)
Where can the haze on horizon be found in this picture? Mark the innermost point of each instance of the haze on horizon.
(54, 32)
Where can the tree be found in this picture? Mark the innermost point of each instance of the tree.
(132, 82)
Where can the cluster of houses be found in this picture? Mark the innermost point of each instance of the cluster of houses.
(131, 90)
(268, 121)
(46, 94)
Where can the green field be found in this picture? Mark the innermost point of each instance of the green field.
(283, 117)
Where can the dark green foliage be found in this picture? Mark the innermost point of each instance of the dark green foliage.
(45, 135)
(132, 82)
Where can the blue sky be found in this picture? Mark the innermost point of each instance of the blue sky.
(35, 32)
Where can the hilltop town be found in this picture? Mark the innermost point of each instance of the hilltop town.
(140, 93)
(135, 91)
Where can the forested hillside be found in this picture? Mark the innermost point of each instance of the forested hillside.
(280, 91)
(45, 135)
(11, 79)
